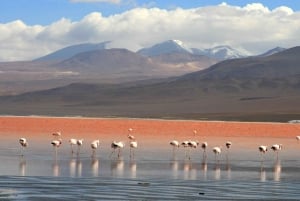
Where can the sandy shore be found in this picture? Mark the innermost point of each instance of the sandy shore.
(106, 127)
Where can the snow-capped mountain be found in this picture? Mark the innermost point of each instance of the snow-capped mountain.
(220, 52)
(272, 51)
(177, 46)
(166, 47)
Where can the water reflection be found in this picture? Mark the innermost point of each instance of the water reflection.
(133, 168)
(95, 166)
(204, 168)
(75, 166)
(174, 164)
(22, 166)
(277, 170)
(217, 171)
(117, 167)
(55, 169)
(190, 172)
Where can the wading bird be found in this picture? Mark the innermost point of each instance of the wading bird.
(94, 145)
(72, 143)
(56, 144)
(276, 148)
(217, 151)
(133, 145)
(79, 144)
(204, 146)
(262, 149)
(117, 145)
(174, 144)
(298, 137)
(23, 142)
(130, 137)
(56, 134)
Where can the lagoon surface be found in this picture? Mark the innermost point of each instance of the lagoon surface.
(155, 172)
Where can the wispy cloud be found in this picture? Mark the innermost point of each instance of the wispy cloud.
(97, 1)
(253, 27)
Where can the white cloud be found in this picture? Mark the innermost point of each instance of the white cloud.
(97, 1)
(253, 27)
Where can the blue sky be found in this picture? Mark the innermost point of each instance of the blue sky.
(33, 28)
(47, 11)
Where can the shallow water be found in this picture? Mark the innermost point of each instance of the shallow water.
(155, 173)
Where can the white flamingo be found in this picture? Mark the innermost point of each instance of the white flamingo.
(262, 149)
(117, 145)
(276, 148)
(217, 151)
(94, 145)
(72, 143)
(56, 144)
(133, 145)
(298, 138)
(79, 144)
(23, 142)
(174, 144)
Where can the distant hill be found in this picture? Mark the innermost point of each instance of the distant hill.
(272, 51)
(121, 63)
(252, 89)
(68, 52)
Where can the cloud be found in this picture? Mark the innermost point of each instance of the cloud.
(254, 28)
(96, 1)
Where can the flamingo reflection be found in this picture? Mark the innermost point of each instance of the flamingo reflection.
(217, 172)
(55, 169)
(277, 170)
(22, 166)
(117, 167)
(133, 168)
(95, 166)
(75, 166)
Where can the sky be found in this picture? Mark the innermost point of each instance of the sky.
(33, 28)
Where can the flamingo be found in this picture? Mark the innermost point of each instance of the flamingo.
(276, 148)
(130, 137)
(117, 145)
(79, 144)
(56, 134)
(133, 145)
(228, 144)
(217, 151)
(185, 145)
(72, 143)
(56, 144)
(204, 146)
(298, 138)
(262, 149)
(23, 142)
(174, 144)
(94, 146)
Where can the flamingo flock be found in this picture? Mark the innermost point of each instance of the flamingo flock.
(118, 146)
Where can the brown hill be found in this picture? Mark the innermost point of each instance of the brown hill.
(241, 89)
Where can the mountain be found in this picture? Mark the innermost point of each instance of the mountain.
(220, 52)
(72, 50)
(166, 47)
(272, 51)
(176, 46)
(122, 63)
(251, 89)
